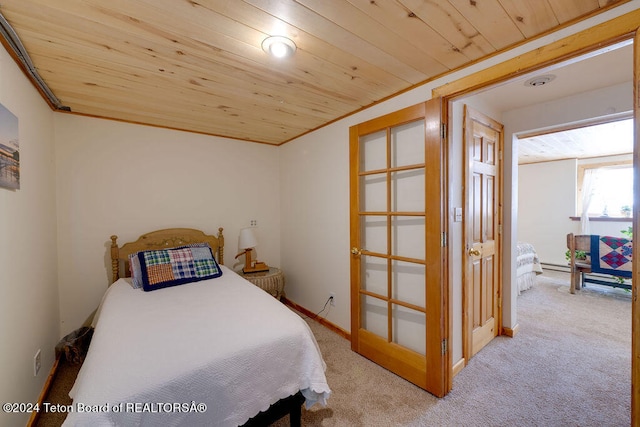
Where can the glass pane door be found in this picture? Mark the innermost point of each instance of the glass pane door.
(396, 290)
(392, 219)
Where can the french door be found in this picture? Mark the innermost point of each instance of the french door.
(397, 237)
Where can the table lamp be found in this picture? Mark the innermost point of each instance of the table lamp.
(247, 242)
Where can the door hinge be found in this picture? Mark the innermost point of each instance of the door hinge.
(443, 241)
(499, 155)
(443, 130)
(500, 229)
(444, 346)
(499, 302)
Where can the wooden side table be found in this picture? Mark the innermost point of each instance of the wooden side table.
(271, 281)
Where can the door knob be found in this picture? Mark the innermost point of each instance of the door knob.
(356, 251)
(474, 252)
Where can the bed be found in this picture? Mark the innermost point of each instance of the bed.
(527, 266)
(211, 352)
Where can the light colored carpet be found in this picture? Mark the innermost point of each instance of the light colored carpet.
(568, 366)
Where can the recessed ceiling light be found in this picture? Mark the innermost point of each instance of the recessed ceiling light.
(278, 46)
(540, 80)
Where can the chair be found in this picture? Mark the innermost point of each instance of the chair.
(578, 267)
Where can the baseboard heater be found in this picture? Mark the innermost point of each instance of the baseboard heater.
(597, 279)
(555, 267)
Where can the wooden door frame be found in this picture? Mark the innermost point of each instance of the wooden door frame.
(467, 322)
(616, 30)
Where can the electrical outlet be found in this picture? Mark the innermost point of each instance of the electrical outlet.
(332, 299)
(36, 363)
(254, 223)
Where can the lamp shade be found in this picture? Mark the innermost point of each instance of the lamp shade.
(247, 238)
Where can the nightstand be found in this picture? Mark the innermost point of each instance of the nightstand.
(271, 281)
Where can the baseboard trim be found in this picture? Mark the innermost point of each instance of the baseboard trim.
(457, 367)
(511, 332)
(33, 420)
(324, 322)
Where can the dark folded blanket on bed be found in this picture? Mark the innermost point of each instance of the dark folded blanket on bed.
(611, 255)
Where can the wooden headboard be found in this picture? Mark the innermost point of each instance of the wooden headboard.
(162, 239)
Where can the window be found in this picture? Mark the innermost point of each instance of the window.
(607, 189)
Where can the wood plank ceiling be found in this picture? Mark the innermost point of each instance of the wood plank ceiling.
(602, 139)
(197, 65)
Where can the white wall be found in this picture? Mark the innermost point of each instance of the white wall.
(125, 179)
(548, 198)
(28, 271)
(554, 183)
(315, 224)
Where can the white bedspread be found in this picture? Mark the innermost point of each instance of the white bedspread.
(222, 342)
(527, 266)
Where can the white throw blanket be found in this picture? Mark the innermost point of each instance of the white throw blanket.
(222, 343)
(527, 266)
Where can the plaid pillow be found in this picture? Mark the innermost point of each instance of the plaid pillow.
(176, 266)
(134, 264)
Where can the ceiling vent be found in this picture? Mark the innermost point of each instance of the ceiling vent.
(540, 80)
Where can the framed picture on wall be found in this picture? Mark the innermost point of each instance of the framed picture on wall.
(9, 150)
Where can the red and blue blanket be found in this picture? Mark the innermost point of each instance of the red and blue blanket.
(611, 255)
